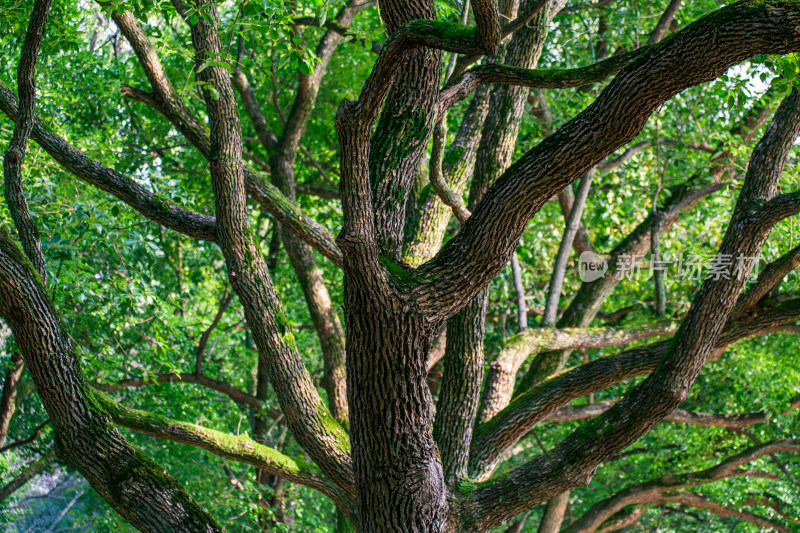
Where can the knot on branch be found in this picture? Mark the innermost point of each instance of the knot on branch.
(351, 238)
(147, 98)
(346, 113)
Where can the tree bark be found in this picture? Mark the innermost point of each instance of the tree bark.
(9, 395)
(135, 486)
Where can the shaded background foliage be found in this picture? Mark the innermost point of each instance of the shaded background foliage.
(137, 298)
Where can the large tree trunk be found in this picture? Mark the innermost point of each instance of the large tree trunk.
(396, 465)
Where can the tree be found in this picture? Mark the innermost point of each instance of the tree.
(379, 448)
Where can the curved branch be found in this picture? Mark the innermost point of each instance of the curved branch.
(768, 279)
(135, 486)
(500, 378)
(32, 438)
(539, 78)
(154, 207)
(15, 154)
(482, 247)
(778, 208)
(450, 198)
(582, 412)
(574, 461)
(310, 421)
(661, 488)
(236, 447)
(237, 395)
(690, 499)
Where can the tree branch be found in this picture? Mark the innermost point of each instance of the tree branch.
(577, 457)
(32, 438)
(7, 400)
(157, 209)
(511, 423)
(310, 421)
(15, 154)
(134, 485)
(690, 499)
(540, 79)
(658, 489)
(466, 263)
(166, 101)
(224, 302)
(582, 412)
(768, 279)
(488, 25)
(500, 379)
(664, 22)
(239, 448)
(237, 395)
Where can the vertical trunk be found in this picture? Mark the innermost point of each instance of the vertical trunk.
(323, 314)
(554, 513)
(396, 462)
(494, 154)
(458, 400)
(7, 405)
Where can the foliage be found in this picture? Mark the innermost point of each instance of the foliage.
(136, 298)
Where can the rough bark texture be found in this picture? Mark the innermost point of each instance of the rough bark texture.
(458, 399)
(9, 395)
(500, 377)
(404, 475)
(15, 154)
(282, 154)
(494, 437)
(575, 459)
(666, 488)
(135, 486)
(308, 418)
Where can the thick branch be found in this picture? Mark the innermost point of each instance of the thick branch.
(472, 258)
(768, 279)
(597, 440)
(15, 154)
(133, 484)
(541, 79)
(661, 487)
(487, 22)
(500, 379)
(310, 421)
(235, 447)
(154, 207)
